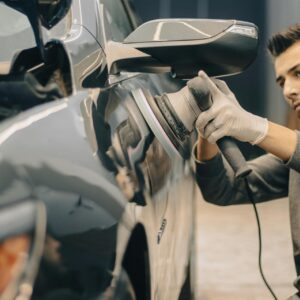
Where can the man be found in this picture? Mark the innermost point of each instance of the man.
(274, 175)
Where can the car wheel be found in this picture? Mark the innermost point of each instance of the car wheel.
(186, 290)
(122, 290)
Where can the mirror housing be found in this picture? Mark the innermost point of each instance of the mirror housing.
(185, 46)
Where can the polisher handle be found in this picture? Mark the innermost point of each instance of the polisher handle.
(227, 145)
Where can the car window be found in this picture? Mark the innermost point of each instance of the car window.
(15, 35)
(60, 30)
(120, 25)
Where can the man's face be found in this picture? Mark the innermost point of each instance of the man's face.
(287, 69)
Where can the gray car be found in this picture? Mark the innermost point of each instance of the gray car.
(80, 137)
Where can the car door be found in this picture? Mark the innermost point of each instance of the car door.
(155, 178)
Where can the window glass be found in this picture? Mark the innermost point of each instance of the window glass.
(11, 21)
(118, 19)
(60, 30)
(15, 35)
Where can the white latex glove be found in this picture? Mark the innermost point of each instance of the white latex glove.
(227, 118)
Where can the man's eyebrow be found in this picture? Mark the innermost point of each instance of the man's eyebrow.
(279, 78)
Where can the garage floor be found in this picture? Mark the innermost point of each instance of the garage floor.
(228, 242)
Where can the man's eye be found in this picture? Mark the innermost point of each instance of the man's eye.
(281, 83)
(297, 73)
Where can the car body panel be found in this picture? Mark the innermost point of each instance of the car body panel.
(170, 201)
(49, 145)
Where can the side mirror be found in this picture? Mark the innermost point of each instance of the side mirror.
(185, 46)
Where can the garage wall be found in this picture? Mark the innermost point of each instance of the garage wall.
(169, 8)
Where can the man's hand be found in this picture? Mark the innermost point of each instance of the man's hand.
(227, 118)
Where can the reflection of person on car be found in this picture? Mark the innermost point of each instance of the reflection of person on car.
(274, 175)
(24, 252)
(12, 253)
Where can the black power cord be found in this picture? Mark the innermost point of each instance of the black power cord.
(249, 193)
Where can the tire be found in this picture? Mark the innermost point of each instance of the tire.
(186, 290)
(136, 263)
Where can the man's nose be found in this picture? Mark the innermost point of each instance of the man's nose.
(290, 90)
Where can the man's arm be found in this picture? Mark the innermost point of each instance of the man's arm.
(268, 180)
(205, 150)
(280, 141)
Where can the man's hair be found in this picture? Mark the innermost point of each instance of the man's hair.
(281, 41)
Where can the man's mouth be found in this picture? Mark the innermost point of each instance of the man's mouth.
(296, 106)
